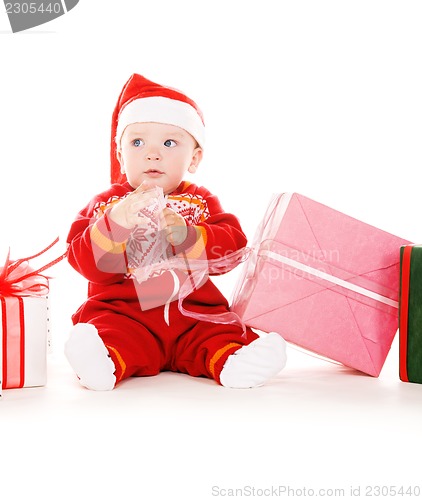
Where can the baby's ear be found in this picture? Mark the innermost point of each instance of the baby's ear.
(120, 160)
(196, 160)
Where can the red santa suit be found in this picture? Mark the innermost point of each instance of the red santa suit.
(171, 317)
(143, 338)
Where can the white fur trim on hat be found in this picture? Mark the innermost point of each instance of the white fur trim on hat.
(161, 110)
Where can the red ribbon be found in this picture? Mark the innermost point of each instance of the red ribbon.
(404, 312)
(13, 342)
(18, 279)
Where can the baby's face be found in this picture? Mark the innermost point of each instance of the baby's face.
(158, 153)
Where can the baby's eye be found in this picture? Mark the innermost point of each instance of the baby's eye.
(138, 142)
(169, 143)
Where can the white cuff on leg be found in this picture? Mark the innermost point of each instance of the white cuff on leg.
(255, 363)
(89, 358)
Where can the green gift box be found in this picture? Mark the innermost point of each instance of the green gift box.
(410, 314)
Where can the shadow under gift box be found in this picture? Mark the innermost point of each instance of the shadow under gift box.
(324, 281)
(24, 336)
(410, 314)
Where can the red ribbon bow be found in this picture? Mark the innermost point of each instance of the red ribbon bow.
(17, 278)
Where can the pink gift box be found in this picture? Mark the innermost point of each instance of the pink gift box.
(324, 281)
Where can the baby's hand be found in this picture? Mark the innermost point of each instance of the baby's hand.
(126, 212)
(174, 226)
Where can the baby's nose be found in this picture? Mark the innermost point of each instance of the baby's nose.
(153, 154)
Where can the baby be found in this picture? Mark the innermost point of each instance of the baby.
(140, 327)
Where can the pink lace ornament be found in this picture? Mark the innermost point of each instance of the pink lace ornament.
(197, 271)
(147, 244)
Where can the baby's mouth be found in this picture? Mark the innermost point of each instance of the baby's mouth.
(154, 172)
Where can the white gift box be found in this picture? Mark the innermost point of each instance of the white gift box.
(24, 337)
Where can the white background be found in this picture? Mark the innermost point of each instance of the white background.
(318, 97)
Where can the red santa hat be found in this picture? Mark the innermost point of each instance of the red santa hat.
(143, 101)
